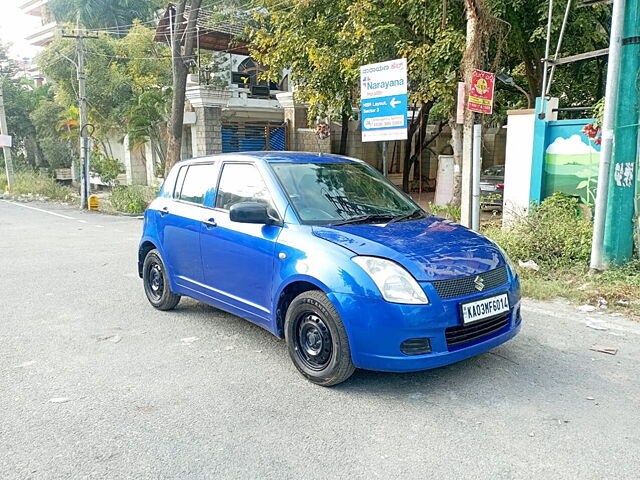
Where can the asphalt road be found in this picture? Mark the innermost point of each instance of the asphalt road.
(94, 383)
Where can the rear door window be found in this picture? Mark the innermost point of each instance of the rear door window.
(199, 181)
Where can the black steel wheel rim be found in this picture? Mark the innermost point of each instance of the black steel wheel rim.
(155, 281)
(313, 343)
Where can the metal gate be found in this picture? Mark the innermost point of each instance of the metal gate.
(251, 137)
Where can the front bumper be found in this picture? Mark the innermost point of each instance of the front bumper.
(377, 328)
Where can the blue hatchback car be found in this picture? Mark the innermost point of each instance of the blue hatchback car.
(324, 251)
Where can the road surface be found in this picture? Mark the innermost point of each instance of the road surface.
(97, 384)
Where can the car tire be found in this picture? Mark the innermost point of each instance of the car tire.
(317, 340)
(156, 283)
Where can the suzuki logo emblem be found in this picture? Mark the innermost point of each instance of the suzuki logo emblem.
(479, 283)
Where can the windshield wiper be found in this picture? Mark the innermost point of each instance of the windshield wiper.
(364, 219)
(408, 216)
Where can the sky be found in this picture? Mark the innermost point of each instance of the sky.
(14, 26)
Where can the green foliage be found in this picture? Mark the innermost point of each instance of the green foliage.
(127, 88)
(448, 211)
(105, 167)
(598, 113)
(57, 148)
(115, 15)
(36, 183)
(554, 235)
(325, 42)
(520, 34)
(131, 199)
(20, 99)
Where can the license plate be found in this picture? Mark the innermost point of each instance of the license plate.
(485, 308)
(488, 188)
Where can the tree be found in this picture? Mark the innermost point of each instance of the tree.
(20, 99)
(115, 15)
(122, 75)
(524, 30)
(182, 56)
(308, 38)
(430, 36)
(324, 43)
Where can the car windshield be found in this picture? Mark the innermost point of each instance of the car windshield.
(343, 193)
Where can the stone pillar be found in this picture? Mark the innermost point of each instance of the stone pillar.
(295, 114)
(208, 102)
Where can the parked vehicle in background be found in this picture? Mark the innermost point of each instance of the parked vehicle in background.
(492, 187)
(326, 253)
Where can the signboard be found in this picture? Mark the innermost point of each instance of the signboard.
(5, 141)
(481, 93)
(383, 106)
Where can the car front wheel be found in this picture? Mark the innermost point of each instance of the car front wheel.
(156, 283)
(317, 340)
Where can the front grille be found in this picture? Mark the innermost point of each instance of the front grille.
(460, 287)
(468, 333)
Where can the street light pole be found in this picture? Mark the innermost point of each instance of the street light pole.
(85, 183)
(85, 189)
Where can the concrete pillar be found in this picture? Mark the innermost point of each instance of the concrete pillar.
(208, 102)
(295, 115)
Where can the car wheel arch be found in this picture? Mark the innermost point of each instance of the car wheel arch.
(145, 247)
(286, 295)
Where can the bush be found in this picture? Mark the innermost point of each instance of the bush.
(37, 183)
(131, 199)
(554, 234)
(447, 211)
(105, 167)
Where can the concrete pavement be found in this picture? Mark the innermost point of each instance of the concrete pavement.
(94, 383)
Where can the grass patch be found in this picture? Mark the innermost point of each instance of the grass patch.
(131, 199)
(557, 237)
(39, 184)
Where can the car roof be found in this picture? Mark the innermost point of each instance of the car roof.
(277, 157)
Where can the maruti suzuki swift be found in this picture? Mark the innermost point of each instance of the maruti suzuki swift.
(325, 252)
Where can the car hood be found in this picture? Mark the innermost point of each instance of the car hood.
(431, 248)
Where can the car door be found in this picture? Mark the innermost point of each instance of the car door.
(238, 258)
(182, 222)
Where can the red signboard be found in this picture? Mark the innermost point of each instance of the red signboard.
(481, 93)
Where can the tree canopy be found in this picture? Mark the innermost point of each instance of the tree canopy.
(117, 16)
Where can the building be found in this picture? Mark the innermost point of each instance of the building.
(44, 34)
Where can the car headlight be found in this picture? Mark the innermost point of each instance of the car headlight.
(395, 284)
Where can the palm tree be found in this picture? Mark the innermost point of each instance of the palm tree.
(115, 15)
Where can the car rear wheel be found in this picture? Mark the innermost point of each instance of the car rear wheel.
(317, 340)
(156, 283)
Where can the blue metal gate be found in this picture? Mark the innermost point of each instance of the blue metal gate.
(251, 137)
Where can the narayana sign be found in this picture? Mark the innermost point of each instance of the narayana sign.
(383, 106)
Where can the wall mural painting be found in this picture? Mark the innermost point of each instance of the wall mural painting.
(571, 162)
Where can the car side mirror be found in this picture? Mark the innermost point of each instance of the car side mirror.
(252, 212)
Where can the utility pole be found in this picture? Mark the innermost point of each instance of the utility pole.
(85, 184)
(608, 123)
(618, 231)
(471, 59)
(8, 162)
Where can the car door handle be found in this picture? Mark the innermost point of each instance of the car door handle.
(210, 223)
(164, 211)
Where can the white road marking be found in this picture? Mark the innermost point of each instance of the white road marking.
(43, 211)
